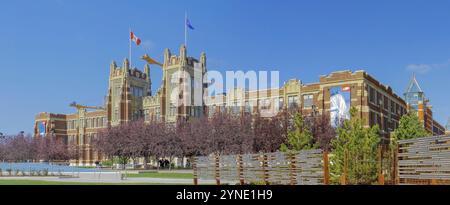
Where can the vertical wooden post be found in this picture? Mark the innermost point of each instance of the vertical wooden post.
(217, 168)
(326, 169)
(292, 168)
(265, 171)
(396, 168)
(194, 166)
(433, 182)
(240, 169)
(380, 166)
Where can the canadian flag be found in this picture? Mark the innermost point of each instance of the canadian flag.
(346, 88)
(134, 38)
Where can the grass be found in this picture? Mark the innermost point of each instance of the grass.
(41, 182)
(162, 175)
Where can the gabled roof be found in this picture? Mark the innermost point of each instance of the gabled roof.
(414, 86)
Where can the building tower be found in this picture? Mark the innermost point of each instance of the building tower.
(127, 87)
(182, 86)
(417, 102)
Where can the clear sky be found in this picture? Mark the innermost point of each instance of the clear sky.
(53, 52)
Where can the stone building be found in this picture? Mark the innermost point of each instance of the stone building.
(183, 95)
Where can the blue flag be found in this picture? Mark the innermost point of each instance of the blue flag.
(189, 25)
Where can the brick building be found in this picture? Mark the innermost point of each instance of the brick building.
(129, 97)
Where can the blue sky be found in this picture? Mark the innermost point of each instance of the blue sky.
(53, 52)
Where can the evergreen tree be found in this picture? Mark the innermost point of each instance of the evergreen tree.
(410, 127)
(300, 137)
(356, 147)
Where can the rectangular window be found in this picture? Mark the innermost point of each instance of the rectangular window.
(372, 97)
(235, 108)
(212, 110)
(293, 101)
(172, 110)
(308, 101)
(280, 103)
(248, 108)
(386, 103)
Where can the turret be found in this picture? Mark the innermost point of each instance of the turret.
(203, 61)
(183, 55)
(149, 80)
(112, 68)
(167, 56)
(126, 66)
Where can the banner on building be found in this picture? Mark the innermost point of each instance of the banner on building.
(340, 103)
(41, 128)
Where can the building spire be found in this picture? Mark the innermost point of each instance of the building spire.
(413, 86)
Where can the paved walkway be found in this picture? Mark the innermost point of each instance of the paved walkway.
(109, 177)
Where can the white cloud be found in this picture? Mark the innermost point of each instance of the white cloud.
(419, 68)
(425, 68)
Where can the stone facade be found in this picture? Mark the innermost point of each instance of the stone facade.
(129, 97)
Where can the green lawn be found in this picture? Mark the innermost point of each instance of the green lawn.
(38, 182)
(163, 175)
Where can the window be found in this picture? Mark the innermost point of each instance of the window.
(386, 103)
(379, 98)
(212, 110)
(223, 108)
(372, 96)
(137, 91)
(172, 110)
(292, 101)
(308, 101)
(280, 103)
(264, 104)
(235, 109)
(158, 113)
(248, 108)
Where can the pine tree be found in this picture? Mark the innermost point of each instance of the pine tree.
(410, 127)
(300, 137)
(356, 146)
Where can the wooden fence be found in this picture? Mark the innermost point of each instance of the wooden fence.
(309, 167)
(424, 160)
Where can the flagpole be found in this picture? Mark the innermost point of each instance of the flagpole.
(130, 47)
(185, 29)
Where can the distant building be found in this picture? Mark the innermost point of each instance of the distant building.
(416, 100)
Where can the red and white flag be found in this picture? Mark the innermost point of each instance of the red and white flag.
(346, 88)
(134, 38)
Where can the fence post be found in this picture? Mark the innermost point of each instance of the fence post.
(395, 170)
(292, 168)
(380, 166)
(433, 182)
(194, 166)
(326, 169)
(217, 169)
(241, 170)
(265, 171)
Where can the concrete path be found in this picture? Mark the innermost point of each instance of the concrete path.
(110, 177)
